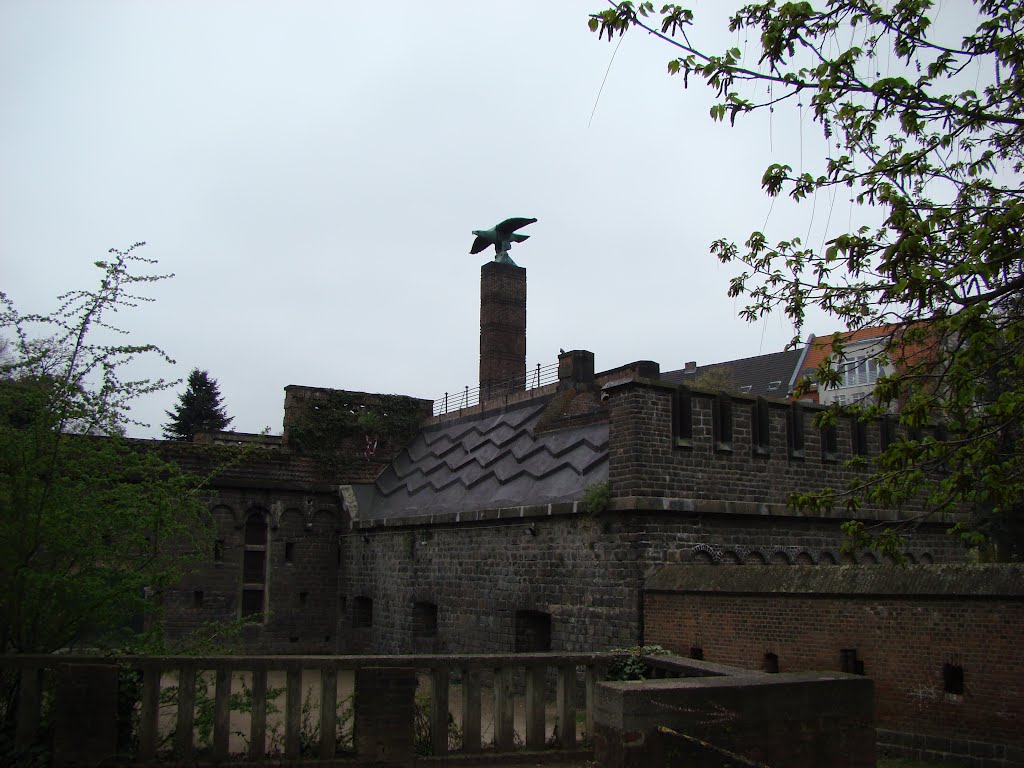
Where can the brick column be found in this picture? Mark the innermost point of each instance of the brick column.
(502, 329)
(575, 369)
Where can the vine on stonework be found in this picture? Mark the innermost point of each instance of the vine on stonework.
(339, 432)
(632, 665)
(597, 498)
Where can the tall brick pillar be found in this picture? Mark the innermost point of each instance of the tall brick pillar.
(502, 329)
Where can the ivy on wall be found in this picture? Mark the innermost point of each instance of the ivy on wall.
(338, 430)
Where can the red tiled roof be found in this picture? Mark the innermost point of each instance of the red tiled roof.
(821, 346)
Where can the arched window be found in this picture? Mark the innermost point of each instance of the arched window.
(254, 566)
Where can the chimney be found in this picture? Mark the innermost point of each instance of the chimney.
(575, 369)
(690, 367)
(502, 329)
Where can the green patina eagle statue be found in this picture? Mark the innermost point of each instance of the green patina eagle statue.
(501, 237)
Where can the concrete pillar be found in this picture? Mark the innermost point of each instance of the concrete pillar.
(504, 712)
(385, 713)
(85, 727)
(471, 710)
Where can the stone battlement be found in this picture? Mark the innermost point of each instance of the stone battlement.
(679, 448)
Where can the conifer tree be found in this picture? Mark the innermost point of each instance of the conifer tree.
(200, 409)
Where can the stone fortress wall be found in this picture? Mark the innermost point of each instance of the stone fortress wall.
(695, 479)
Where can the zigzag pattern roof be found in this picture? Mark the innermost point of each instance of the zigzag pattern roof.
(489, 461)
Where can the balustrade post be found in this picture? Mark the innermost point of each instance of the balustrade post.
(471, 710)
(439, 710)
(385, 715)
(535, 706)
(566, 706)
(186, 711)
(504, 714)
(258, 720)
(85, 705)
(222, 712)
(28, 708)
(293, 712)
(328, 711)
(589, 679)
(149, 718)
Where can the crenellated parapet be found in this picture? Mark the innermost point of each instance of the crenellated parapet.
(693, 450)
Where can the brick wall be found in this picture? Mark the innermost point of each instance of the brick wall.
(910, 628)
(650, 459)
(502, 328)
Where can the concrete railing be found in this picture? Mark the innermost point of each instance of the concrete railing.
(225, 709)
(708, 715)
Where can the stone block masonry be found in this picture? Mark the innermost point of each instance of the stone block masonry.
(585, 572)
(670, 445)
(289, 581)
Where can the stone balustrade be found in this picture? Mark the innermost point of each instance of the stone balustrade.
(222, 709)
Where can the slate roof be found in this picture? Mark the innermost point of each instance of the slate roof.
(765, 375)
(490, 460)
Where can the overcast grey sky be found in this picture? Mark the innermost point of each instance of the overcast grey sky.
(311, 171)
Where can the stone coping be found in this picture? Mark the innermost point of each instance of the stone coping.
(947, 580)
(528, 512)
(741, 679)
(504, 514)
(764, 509)
(695, 667)
(244, 663)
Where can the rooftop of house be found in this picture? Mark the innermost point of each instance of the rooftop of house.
(820, 347)
(764, 375)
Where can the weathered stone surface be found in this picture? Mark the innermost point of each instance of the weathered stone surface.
(797, 720)
(385, 709)
(85, 717)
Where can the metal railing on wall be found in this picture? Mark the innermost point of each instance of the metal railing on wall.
(453, 402)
